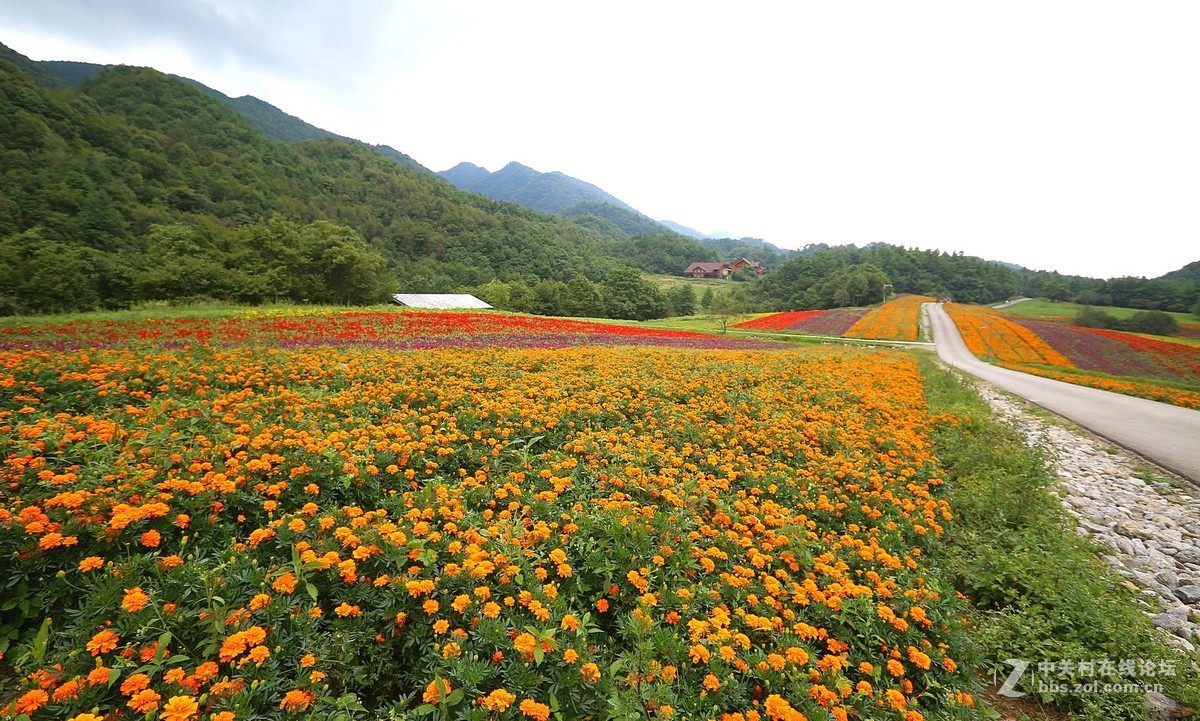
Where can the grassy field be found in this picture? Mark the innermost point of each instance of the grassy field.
(1040, 308)
(667, 282)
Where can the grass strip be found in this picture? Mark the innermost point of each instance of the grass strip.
(1036, 588)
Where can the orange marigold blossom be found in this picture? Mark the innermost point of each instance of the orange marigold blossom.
(144, 701)
(179, 708)
(134, 599)
(498, 700)
(437, 690)
(103, 642)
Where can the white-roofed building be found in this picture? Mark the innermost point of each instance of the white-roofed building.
(440, 301)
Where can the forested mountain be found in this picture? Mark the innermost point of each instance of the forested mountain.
(268, 119)
(1189, 272)
(137, 185)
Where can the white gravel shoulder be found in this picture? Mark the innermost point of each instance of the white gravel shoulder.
(1151, 527)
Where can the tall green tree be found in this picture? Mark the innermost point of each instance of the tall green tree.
(628, 295)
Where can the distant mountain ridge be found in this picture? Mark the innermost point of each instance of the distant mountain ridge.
(552, 192)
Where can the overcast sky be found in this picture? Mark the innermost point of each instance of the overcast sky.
(1057, 135)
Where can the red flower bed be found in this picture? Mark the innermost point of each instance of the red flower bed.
(816, 322)
(390, 329)
(777, 321)
(1179, 358)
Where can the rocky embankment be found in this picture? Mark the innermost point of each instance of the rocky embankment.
(1151, 528)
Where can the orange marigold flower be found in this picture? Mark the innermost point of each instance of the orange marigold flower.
(711, 682)
(91, 563)
(777, 709)
(223, 716)
(895, 668)
(590, 672)
(896, 699)
(103, 642)
(437, 690)
(699, 654)
(602, 605)
(570, 655)
(98, 675)
(151, 539)
(31, 701)
(144, 701)
(174, 675)
(135, 683)
(180, 708)
(86, 717)
(285, 584)
(258, 654)
(431, 606)
(498, 700)
(135, 599)
(296, 700)
(535, 710)
(570, 623)
(345, 610)
(491, 609)
(308, 661)
(525, 643)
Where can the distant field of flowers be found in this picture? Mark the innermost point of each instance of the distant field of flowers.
(382, 329)
(1161, 369)
(898, 319)
(458, 515)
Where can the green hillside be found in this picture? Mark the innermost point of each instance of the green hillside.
(109, 189)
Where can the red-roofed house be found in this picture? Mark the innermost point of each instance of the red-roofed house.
(723, 270)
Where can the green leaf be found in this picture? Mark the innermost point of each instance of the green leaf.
(163, 641)
(455, 697)
(312, 590)
(39, 642)
(424, 709)
(538, 654)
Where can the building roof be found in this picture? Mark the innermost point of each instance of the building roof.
(706, 267)
(439, 301)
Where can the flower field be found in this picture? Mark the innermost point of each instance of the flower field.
(344, 515)
(833, 322)
(779, 321)
(1110, 360)
(898, 319)
(990, 334)
(410, 330)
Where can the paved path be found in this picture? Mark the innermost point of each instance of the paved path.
(1165, 434)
